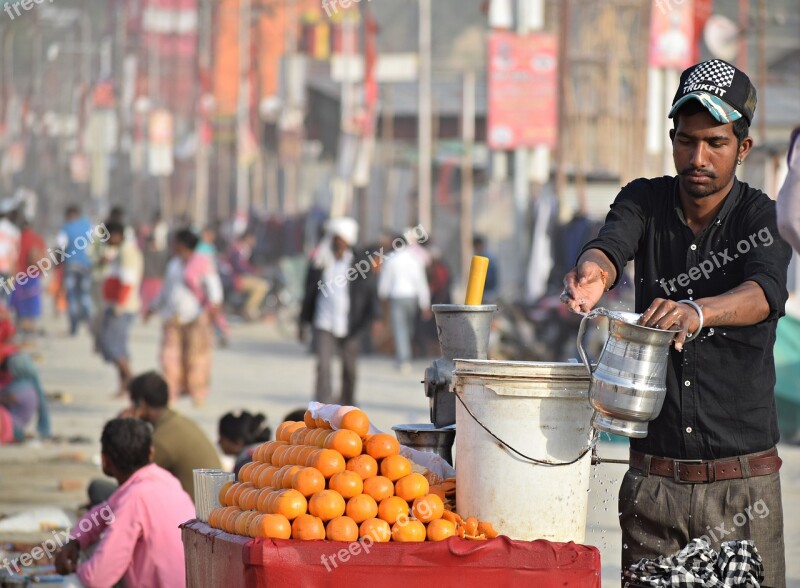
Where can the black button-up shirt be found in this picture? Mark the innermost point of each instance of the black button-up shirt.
(720, 390)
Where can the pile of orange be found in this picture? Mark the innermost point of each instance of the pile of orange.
(314, 482)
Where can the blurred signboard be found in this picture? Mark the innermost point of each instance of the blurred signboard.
(161, 139)
(672, 35)
(523, 90)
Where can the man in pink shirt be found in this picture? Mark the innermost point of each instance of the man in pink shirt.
(140, 541)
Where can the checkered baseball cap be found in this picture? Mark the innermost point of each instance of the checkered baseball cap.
(725, 91)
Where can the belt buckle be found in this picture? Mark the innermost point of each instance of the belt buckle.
(676, 471)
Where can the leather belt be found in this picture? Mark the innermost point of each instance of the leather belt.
(704, 471)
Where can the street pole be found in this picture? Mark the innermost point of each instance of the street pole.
(424, 117)
(762, 70)
(201, 178)
(467, 194)
(243, 109)
(521, 164)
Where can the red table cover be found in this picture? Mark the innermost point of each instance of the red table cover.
(218, 559)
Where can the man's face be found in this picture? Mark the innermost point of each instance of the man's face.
(115, 239)
(339, 246)
(705, 152)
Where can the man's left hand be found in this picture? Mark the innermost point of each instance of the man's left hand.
(668, 314)
(66, 560)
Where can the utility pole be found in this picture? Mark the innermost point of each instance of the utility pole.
(424, 117)
(201, 111)
(521, 160)
(467, 194)
(762, 70)
(243, 110)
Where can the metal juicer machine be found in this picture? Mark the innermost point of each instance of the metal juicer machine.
(463, 332)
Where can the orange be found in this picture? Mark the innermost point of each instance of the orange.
(440, 529)
(382, 445)
(263, 497)
(326, 504)
(228, 521)
(378, 529)
(258, 454)
(239, 491)
(299, 436)
(223, 491)
(265, 476)
(308, 481)
(242, 522)
(411, 486)
(245, 471)
(342, 529)
(361, 507)
(311, 456)
(291, 504)
(305, 452)
(364, 465)
(409, 531)
(427, 508)
(356, 421)
(277, 456)
(345, 442)
(329, 462)
(286, 428)
(307, 528)
(379, 487)
(348, 484)
(395, 467)
(249, 499)
(213, 517)
(321, 437)
(391, 508)
(309, 420)
(269, 450)
(271, 526)
(322, 423)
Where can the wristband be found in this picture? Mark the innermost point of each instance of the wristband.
(699, 310)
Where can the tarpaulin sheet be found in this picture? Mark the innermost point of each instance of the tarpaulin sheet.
(214, 559)
(787, 371)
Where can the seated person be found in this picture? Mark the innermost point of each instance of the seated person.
(21, 398)
(239, 435)
(180, 444)
(136, 531)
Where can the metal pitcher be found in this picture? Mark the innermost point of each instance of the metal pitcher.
(628, 384)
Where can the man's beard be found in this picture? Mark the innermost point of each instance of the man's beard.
(699, 190)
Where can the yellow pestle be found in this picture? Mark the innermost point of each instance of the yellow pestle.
(477, 280)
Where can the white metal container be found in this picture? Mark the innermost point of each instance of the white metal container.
(506, 410)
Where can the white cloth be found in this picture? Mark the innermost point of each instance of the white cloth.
(9, 246)
(178, 301)
(344, 227)
(333, 301)
(403, 276)
(789, 197)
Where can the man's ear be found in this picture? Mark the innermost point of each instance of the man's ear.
(744, 148)
(672, 134)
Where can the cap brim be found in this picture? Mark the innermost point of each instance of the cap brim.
(719, 109)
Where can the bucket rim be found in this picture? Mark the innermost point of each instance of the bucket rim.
(494, 368)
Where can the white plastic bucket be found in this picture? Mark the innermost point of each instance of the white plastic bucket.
(540, 410)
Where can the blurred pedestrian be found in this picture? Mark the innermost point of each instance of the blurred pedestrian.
(77, 268)
(179, 444)
(240, 434)
(207, 246)
(9, 245)
(404, 285)
(26, 296)
(21, 399)
(190, 298)
(245, 276)
(155, 266)
(121, 301)
(788, 206)
(340, 303)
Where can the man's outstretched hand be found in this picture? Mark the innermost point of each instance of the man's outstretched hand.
(584, 286)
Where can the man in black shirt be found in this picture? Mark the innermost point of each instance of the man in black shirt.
(708, 260)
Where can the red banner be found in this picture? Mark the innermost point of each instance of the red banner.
(672, 35)
(523, 90)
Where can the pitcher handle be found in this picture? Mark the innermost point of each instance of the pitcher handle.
(581, 333)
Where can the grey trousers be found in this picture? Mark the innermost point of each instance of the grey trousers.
(348, 347)
(659, 516)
